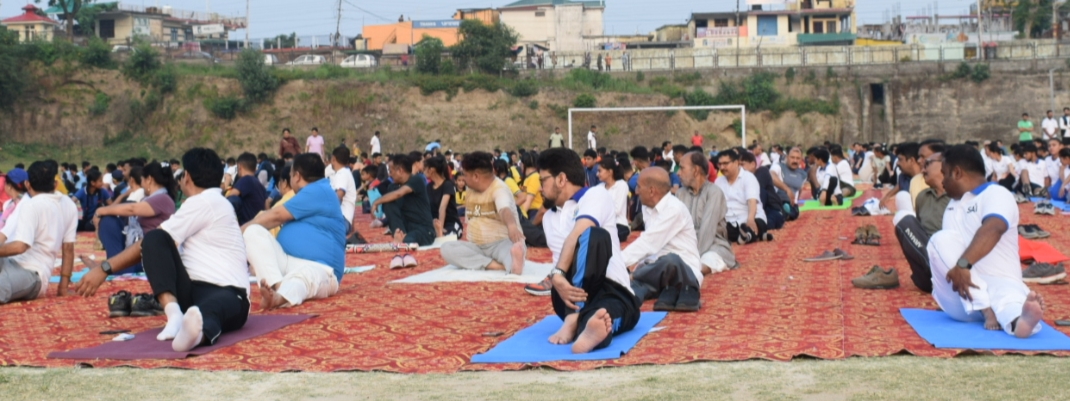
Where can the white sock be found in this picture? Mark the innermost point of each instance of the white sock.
(192, 332)
(174, 322)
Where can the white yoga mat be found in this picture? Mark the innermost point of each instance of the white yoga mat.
(533, 273)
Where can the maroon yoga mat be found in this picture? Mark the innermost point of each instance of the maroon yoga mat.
(145, 346)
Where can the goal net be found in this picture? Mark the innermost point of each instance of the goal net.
(742, 112)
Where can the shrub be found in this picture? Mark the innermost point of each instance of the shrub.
(789, 75)
(429, 55)
(14, 77)
(100, 104)
(447, 68)
(534, 105)
(525, 88)
(980, 73)
(830, 73)
(256, 79)
(97, 54)
(963, 71)
(639, 76)
(689, 79)
(585, 100)
(225, 107)
(559, 110)
(165, 79)
(737, 125)
(142, 65)
(699, 97)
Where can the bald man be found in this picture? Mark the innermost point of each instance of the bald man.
(664, 260)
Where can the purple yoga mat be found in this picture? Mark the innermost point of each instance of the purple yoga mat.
(145, 345)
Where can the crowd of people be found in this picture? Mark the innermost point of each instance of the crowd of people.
(198, 227)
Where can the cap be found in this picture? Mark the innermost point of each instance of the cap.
(117, 175)
(17, 176)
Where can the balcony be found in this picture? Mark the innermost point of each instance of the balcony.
(828, 39)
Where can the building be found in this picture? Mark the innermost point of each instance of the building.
(557, 25)
(31, 26)
(488, 16)
(124, 23)
(409, 33)
(798, 23)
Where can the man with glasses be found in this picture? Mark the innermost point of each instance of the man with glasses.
(746, 218)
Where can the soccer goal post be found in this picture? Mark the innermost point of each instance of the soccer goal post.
(742, 111)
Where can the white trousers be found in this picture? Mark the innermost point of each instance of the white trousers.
(300, 279)
(713, 261)
(1005, 296)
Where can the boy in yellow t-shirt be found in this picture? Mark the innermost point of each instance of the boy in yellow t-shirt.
(495, 240)
(530, 197)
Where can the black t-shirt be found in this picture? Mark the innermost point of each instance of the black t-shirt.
(251, 199)
(415, 207)
(449, 190)
(767, 194)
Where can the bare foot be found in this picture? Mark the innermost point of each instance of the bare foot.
(399, 237)
(518, 252)
(269, 299)
(1032, 313)
(990, 319)
(494, 265)
(598, 328)
(567, 331)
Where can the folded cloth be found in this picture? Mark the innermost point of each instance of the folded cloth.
(1031, 250)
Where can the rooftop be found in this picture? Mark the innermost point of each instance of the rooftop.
(535, 3)
(30, 15)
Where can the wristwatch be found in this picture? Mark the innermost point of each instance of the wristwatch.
(556, 271)
(106, 267)
(965, 264)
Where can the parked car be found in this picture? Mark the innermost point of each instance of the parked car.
(194, 55)
(122, 49)
(270, 59)
(308, 60)
(360, 61)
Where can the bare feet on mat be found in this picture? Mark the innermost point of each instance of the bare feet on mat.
(518, 253)
(567, 331)
(598, 328)
(269, 299)
(1032, 313)
(192, 332)
(990, 319)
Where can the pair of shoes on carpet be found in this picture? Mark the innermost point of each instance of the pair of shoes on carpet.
(745, 237)
(867, 235)
(1018, 197)
(836, 254)
(1044, 207)
(1044, 273)
(402, 261)
(1032, 231)
(878, 279)
(122, 304)
(678, 300)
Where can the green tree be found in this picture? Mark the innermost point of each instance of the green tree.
(1032, 17)
(255, 77)
(429, 55)
(282, 42)
(14, 77)
(142, 64)
(484, 47)
(87, 17)
(71, 9)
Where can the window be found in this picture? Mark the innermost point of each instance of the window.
(831, 26)
(540, 13)
(876, 93)
(720, 23)
(107, 28)
(819, 27)
(174, 34)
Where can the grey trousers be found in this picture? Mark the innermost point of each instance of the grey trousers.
(17, 283)
(467, 255)
(668, 271)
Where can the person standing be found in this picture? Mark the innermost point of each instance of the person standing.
(696, 139)
(376, 148)
(288, 144)
(556, 139)
(1064, 123)
(1049, 126)
(1025, 129)
(609, 62)
(592, 142)
(314, 143)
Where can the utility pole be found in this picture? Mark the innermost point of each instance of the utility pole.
(737, 33)
(338, 25)
(980, 33)
(246, 24)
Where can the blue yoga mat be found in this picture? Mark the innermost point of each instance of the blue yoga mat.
(531, 344)
(942, 331)
(77, 276)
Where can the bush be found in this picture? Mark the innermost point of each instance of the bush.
(830, 73)
(534, 105)
(699, 97)
(963, 71)
(430, 84)
(142, 65)
(100, 104)
(737, 125)
(639, 76)
(256, 79)
(689, 79)
(225, 107)
(15, 78)
(980, 73)
(585, 100)
(447, 68)
(429, 55)
(559, 110)
(329, 71)
(789, 75)
(97, 54)
(165, 80)
(525, 88)
(478, 81)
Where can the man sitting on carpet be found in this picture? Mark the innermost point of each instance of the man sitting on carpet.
(746, 218)
(204, 287)
(1033, 171)
(248, 196)
(495, 241)
(406, 206)
(307, 260)
(664, 260)
(707, 206)
(591, 291)
(41, 228)
(771, 203)
(789, 178)
(975, 267)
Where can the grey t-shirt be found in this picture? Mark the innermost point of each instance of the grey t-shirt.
(794, 179)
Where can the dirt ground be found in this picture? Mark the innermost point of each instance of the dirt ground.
(891, 378)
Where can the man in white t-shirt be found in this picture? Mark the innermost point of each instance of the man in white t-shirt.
(1064, 123)
(1054, 165)
(41, 229)
(974, 258)
(376, 147)
(843, 171)
(664, 260)
(342, 182)
(314, 143)
(195, 262)
(1049, 127)
(1004, 171)
(591, 287)
(1033, 171)
(556, 139)
(746, 218)
(592, 142)
(829, 192)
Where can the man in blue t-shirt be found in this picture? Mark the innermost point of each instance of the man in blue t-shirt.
(308, 258)
(248, 195)
(92, 197)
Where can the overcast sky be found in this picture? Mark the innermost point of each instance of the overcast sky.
(318, 17)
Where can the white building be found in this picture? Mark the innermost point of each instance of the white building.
(558, 25)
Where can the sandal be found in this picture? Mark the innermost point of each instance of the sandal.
(409, 260)
(397, 262)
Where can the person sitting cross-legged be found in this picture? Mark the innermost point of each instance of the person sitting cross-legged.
(195, 261)
(664, 260)
(248, 196)
(495, 240)
(708, 207)
(591, 291)
(406, 206)
(307, 260)
(746, 218)
(116, 223)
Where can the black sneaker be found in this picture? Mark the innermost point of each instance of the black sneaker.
(119, 304)
(145, 305)
(688, 300)
(667, 300)
(767, 237)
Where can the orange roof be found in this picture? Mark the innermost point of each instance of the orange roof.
(30, 16)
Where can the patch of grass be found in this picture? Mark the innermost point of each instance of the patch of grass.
(585, 100)
(100, 104)
(347, 98)
(688, 79)
(534, 105)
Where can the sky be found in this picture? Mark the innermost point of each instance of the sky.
(319, 17)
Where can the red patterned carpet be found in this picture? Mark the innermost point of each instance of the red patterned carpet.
(775, 307)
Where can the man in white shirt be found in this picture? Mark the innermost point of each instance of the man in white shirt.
(664, 260)
(1033, 171)
(591, 288)
(828, 192)
(1064, 123)
(342, 182)
(556, 139)
(746, 218)
(1049, 127)
(195, 262)
(842, 171)
(40, 230)
(592, 143)
(974, 258)
(376, 148)
(1055, 167)
(1004, 170)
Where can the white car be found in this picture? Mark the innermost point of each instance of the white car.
(360, 61)
(270, 59)
(308, 60)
